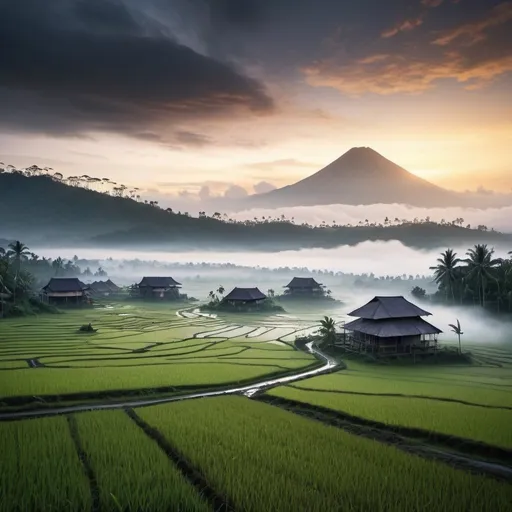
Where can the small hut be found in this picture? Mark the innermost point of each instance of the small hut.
(390, 326)
(304, 287)
(159, 288)
(244, 297)
(64, 290)
(104, 288)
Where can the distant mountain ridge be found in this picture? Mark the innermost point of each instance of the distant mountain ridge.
(361, 176)
(44, 212)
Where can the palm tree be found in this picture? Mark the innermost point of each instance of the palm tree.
(327, 331)
(221, 290)
(18, 251)
(446, 271)
(480, 266)
(58, 265)
(458, 331)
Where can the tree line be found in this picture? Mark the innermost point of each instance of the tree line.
(114, 189)
(22, 272)
(478, 278)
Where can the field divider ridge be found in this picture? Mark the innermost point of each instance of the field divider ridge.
(219, 503)
(86, 464)
(408, 439)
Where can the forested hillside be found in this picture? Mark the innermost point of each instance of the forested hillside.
(42, 210)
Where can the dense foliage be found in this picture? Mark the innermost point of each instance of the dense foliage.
(479, 279)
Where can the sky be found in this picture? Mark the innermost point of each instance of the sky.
(199, 98)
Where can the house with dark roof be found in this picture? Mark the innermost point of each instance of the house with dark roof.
(63, 290)
(159, 288)
(244, 297)
(390, 325)
(304, 287)
(104, 288)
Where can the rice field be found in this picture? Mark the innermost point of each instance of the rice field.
(265, 458)
(40, 456)
(472, 402)
(142, 346)
(241, 453)
(130, 470)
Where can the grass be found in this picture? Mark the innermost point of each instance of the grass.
(484, 385)
(40, 469)
(264, 458)
(436, 398)
(490, 426)
(131, 467)
(143, 345)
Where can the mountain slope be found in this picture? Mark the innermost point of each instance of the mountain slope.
(43, 212)
(360, 176)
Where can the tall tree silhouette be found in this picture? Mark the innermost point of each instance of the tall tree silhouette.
(446, 271)
(18, 251)
(481, 264)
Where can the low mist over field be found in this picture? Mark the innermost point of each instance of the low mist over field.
(379, 258)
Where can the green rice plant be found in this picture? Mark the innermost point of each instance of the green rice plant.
(40, 468)
(494, 387)
(52, 381)
(492, 426)
(106, 361)
(131, 471)
(268, 459)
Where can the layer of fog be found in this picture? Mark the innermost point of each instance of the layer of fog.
(497, 218)
(379, 258)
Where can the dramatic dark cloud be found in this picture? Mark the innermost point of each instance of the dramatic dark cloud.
(79, 66)
(473, 53)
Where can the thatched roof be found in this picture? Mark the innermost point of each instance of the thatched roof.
(392, 327)
(303, 282)
(380, 308)
(113, 286)
(104, 286)
(245, 294)
(159, 282)
(65, 284)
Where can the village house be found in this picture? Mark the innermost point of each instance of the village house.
(159, 288)
(304, 287)
(244, 297)
(104, 288)
(64, 290)
(390, 326)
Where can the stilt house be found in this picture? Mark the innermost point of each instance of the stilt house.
(304, 287)
(244, 297)
(64, 290)
(159, 288)
(390, 325)
(104, 288)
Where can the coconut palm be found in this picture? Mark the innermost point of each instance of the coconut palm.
(446, 271)
(458, 331)
(480, 267)
(327, 331)
(17, 251)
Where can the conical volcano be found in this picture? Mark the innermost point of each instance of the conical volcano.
(360, 176)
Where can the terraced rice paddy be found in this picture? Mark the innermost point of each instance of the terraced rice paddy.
(235, 453)
(472, 402)
(140, 347)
